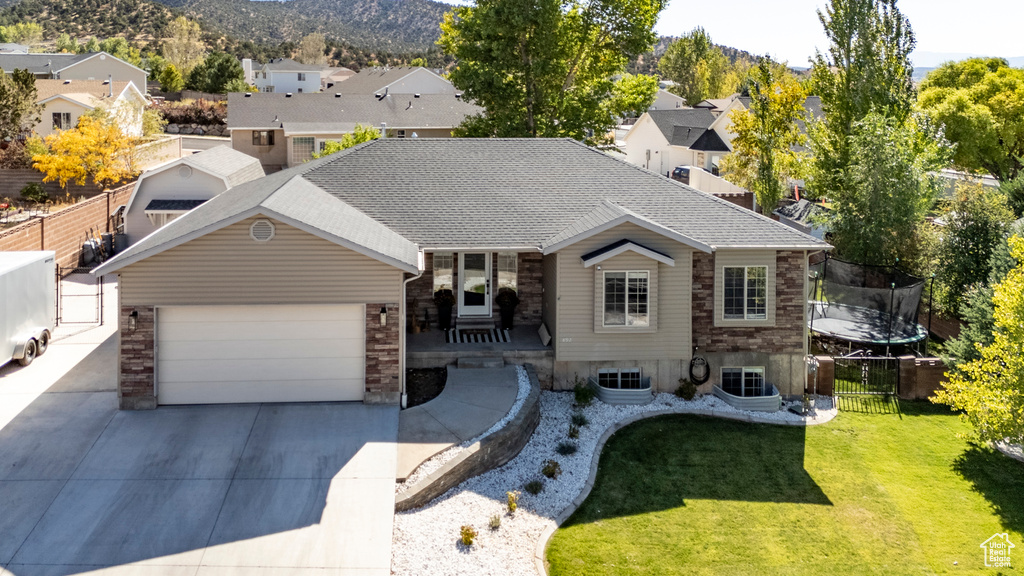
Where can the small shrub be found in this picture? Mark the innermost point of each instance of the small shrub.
(34, 192)
(512, 501)
(566, 448)
(534, 487)
(686, 390)
(495, 522)
(574, 431)
(580, 419)
(551, 469)
(467, 534)
(584, 393)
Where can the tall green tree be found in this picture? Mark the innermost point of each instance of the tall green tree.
(698, 68)
(18, 109)
(977, 218)
(218, 74)
(632, 95)
(542, 68)
(866, 68)
(890, 185)
(171, 80)
(184, 48)
(767, 136)
(989, 391)
(979, 312)
(980, 105)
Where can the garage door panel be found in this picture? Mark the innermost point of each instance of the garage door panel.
(265, 391)
(236, 350)
(256, 331)
(255, 370)
(233, 354)
(271, 313)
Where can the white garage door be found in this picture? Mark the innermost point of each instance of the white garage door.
(233, 354)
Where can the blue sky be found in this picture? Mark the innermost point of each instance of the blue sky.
(789, 29)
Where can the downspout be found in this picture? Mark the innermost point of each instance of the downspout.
(421, 264)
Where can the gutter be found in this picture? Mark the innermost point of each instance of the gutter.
(421, 264)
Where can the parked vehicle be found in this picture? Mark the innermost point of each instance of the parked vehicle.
(27, 304)
(681, 173)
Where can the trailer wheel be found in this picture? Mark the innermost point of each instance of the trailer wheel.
(30, 353)
(42, 343)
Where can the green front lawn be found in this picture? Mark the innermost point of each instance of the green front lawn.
(879, 492)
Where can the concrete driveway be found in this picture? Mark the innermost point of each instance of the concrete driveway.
(204, 490)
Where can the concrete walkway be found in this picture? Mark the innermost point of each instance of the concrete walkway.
(472, 401)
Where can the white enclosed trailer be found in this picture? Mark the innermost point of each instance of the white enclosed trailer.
(27, 304)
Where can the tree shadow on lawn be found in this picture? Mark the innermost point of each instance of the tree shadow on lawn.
(660, 463)
(999, 479)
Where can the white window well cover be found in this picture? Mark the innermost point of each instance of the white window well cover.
(262, 230)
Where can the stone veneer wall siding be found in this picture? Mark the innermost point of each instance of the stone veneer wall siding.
(786, 337)
(419, 293)
(136, 360)
(382, 355)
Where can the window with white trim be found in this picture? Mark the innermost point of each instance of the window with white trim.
(443, 267)
(302, 149)
(744, 382)
(61, 120)
(746, 292)
(620, 378)
(626, 298)
(262, 137)
(302, 78)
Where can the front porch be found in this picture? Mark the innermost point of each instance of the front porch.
(432, 350)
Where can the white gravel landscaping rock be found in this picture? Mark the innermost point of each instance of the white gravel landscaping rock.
(426, 540)
(1015, 451)
(438, 460)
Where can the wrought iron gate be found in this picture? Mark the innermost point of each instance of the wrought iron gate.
(866, 376)
(79, 296)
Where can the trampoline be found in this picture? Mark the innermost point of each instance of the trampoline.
(873, 305)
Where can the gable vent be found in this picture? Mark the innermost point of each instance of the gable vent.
(262, 230)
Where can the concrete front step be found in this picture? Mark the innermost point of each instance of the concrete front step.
(481, 362)
(475, 324)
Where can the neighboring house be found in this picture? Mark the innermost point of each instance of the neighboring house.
(331, 76)
(400, 80)
(283, 130)
(707, 182)
(286, 75)
(299, 286)
(166, 192)
(64, 101)
(90, 66)
(666, 100)
(663, 139)
(9, 48)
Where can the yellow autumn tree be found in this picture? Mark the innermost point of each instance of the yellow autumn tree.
(95, 150)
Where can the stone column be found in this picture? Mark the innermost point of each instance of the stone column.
(382, 355)
(136, 360)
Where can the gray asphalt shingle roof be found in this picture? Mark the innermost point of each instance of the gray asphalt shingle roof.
(683, 126)
(235, 167)
(289, 65)
(39, 63)
(173, 205)
(325, 113)
(393, 196)
(373, 80)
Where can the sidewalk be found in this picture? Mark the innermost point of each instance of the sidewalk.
(71, 345)
(472, 401)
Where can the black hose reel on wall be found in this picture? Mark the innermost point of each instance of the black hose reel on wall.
(700, 372)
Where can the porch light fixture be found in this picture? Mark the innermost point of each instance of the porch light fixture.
(133, 320)
(383, 316)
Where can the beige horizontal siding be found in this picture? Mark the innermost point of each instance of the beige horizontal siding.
(578, 303)
(729, 258)
(228, 267)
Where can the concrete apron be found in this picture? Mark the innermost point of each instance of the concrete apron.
(472, 401)
(241, 489)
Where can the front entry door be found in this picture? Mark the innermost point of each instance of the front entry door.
(475, 284)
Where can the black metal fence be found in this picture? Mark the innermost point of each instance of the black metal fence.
(866, 376)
